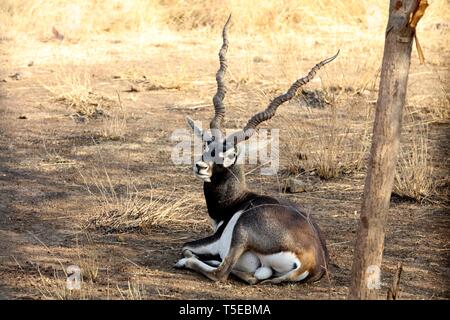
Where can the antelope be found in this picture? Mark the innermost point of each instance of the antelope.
(257, 238)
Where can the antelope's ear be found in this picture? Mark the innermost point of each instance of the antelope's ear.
(197, 130)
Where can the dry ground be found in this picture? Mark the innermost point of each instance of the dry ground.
(46, 150)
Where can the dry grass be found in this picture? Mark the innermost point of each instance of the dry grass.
(414, 177)
(79, 19)
(74, 89)
(134, 291)
(53, 284)
(50, 157)
(170, 80)
(114, 126)
(54, 287)
(76, 19)
(272, 15)
(433, 109)
(88, 260)
(129, 209)
(336, 141)
(132, 211)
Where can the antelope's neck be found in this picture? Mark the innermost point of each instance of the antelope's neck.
(225, 192)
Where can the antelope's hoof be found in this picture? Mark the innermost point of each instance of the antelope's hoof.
(181, 263)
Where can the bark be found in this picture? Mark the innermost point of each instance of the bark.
(366, 270)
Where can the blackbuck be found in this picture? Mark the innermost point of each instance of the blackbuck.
(257, 238)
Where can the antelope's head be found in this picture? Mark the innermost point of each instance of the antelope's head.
(221, 152)
(218, 154)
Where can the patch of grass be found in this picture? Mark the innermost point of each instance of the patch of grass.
(132, 211)
(129, 209)
(53, 281)
(114, 126)
(55, 286)
(169, 80)
(134, 291)
(51, 157)
(88, 261)
(332, 143)
(74, 89)
(433, 109)
(80, 18)
(414, 177)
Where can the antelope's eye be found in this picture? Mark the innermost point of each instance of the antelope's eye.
(213, 153)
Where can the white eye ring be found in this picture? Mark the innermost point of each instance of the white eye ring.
(228, 155)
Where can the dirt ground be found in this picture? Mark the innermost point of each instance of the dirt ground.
(44, 202)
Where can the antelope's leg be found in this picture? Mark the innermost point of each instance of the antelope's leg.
(215, 274)
(244, 276)
(206, 248)
(276, 280)
(195, 264)
(280, 279)
(212, 263)
(295, 275)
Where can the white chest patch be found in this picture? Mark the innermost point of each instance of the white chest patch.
(227, 234)
(221, 246)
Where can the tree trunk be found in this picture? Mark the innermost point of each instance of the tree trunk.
(366, 270)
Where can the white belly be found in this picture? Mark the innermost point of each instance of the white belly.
(281, 262)
(248, 262)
